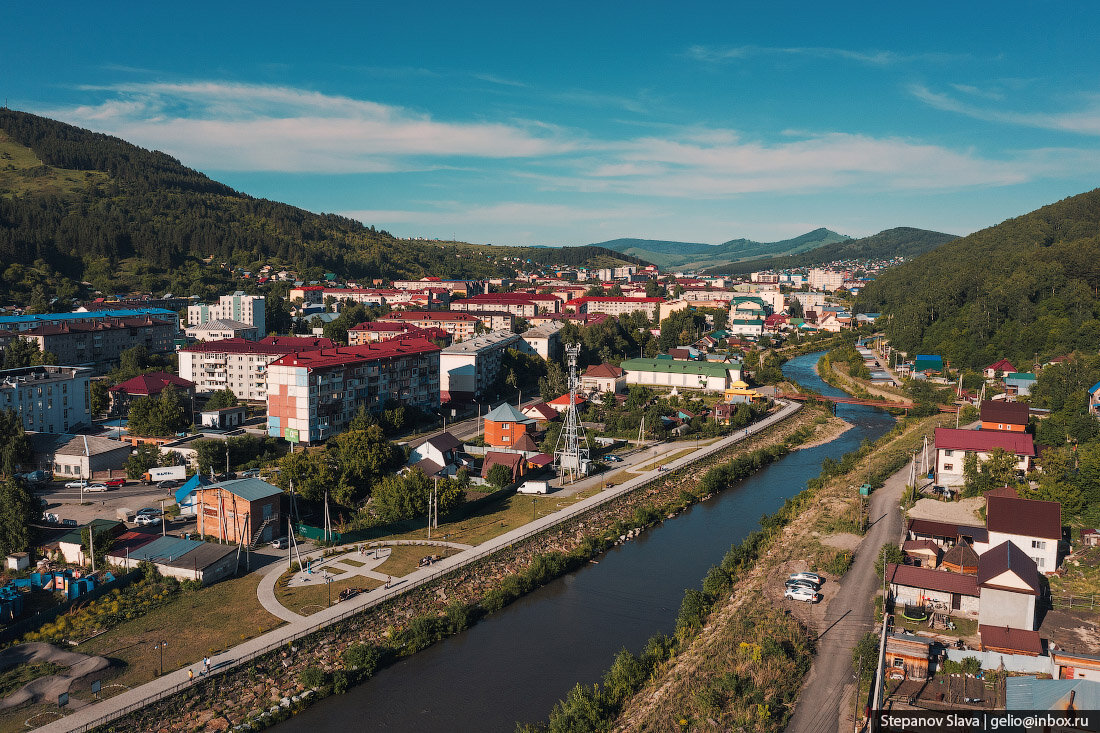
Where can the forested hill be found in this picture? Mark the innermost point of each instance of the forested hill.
(1023, 289)
(80, 206)
(896, 242)
(695, 255)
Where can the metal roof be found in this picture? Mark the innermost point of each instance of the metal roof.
(249, 489)
(507, 413)
(702, 368)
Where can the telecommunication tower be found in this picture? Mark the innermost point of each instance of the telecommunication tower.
(570, 456)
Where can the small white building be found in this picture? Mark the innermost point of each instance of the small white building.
(695, 375)
(221, 329)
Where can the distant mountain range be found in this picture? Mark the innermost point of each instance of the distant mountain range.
(699, 255)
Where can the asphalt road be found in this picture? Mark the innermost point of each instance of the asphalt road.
(848, 617)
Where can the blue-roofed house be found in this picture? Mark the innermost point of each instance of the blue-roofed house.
(185, 495)
(928, 363)
(247, 509)
(1094, 399)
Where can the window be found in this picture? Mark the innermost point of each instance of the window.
(1038, 545)
(949, 467)
(506, 426)
(1038, 561)
(948, 453)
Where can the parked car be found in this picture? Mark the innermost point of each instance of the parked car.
(281, 544)
(169, 484)
(802, 584)
(143, 520)
(96, 487)
(802, 594)
(812, 577)
(148, 510)
(250, 473)
(52, 518)
(75, 484)
(612, 458)
(114, 483)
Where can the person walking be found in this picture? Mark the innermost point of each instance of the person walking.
(206, 665)
(190, 675)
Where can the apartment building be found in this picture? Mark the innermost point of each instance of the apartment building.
(98, 343)
(461, 326)
(616, 306)
(48, 399)
(461, 288)
(468, 370)
(827, 280)
(313, 395)
(32, 321)
(375, 331)
(523, 305)
(248, 309)
(238, 364)
(220, 329)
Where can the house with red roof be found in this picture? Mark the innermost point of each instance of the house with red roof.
(1035, 527)
(602, 378)
(953, 445)
(561, 404)
(145, 385)
(541, 412)
(1002, 367)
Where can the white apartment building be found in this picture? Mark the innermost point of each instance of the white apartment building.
(238, 364)
(236, 307)
(615, 306)
(468, 369)
(827, 280)
(220, 329)
(48, 399)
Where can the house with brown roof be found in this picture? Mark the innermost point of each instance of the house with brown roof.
(1007, 416)
(512, 461)
(1008, 584)
(999, 368)
(541, 412)
(1033, 526)
(953, 445)
(961, 559)
(602, 378)
(150, 384)
(922, 553)
(1007, 640)
(923, 586)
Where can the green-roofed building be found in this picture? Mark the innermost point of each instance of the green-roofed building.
(247, 509)
(753, 327)
(701, 375)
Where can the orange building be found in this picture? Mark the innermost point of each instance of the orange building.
(1004, 416)
(247, 508)
(505, 425)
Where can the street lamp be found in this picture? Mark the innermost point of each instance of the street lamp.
(159, 646)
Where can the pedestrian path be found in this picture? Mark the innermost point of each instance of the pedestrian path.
(298, 626)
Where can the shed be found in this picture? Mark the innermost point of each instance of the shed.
(1007, 640)
(924, 553)
(961, 559)
(907, 656)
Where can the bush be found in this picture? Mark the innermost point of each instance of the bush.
(312, 678)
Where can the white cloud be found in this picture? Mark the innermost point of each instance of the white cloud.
(230, 126)
(1085, 121)
(711, 54)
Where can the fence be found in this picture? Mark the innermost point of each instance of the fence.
(459, 562)
(1011, 662)
(1071, 601)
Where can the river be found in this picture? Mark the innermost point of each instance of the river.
(516, 664)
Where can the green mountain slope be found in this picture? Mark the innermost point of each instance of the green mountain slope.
(1023, 289)
(695, 255)
(77, 205)
(897, 242)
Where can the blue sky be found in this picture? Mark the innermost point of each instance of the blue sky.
(571, 123)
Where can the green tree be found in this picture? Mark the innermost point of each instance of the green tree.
(98, 394)
(18, 511)
(363, 458)
(889, 553)
(312, 473)
(15, 448)
(222, 398)
(402, 497)
(165, 414)
(499, 476)
(141, 459)
(22, 352)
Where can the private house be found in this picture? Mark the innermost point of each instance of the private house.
(561, 404)
(436, 455)
(79, 456)
(1019, 383)
(1008, 583)
(1008, 416)
(603, 378)
(151, 384)
(242, 510)
(1035, 527)
(541, 412)
(1094, 399)
(71, 545)
(920, 586)
(998, 369)
(952, 447)
(946, 535)
(504, 425)
(514, 462)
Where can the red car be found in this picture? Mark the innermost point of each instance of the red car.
(114, 483)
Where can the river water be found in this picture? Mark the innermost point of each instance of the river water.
(516, 664)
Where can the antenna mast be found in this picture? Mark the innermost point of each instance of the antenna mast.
(570, 457)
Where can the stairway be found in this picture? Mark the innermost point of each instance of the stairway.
(260, 532)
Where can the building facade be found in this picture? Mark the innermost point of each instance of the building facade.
(313, 395)
(100, 342)
(468, 370)
(461, 326)
(48, 399)
(249, 309)
(238, 364)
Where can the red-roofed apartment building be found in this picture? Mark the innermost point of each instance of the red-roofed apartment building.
(616, 306)
(313, 395)
(373, 332)
(523, 305)
(952, 447)
(239, 364)
(461, 326)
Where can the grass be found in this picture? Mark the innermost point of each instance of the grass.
(1080, 579)
(310, 599)
(353, 563)
(964, 627)
(195, 624)
(404, 559)
(14, 678)
(21, 171)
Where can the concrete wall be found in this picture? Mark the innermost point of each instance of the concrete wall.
(905, 594)
(1012, 662)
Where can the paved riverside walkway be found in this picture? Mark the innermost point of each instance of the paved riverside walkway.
(93, 715)
(848, 617)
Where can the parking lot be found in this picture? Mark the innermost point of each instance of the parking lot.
(133, 495)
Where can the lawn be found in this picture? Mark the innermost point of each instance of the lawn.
(964, 627)
(1081, 575)
(195, 624)
(310, 599)
(404, 559)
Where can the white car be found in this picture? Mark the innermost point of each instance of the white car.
(75, 484)
(812, 577)
(802, 594)
(281, 544)
(143, 520)
(96, 487)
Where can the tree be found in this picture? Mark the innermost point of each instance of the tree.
(402, 497)
(499, 476)
(15, 448)
(165, 414)
(142, 458)
(363, 457)
(888, 553)
(18, 510)
(22, 352)
(312, 473)
(222, 398)
(98, 394)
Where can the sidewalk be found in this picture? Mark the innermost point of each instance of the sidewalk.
(297, 626)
